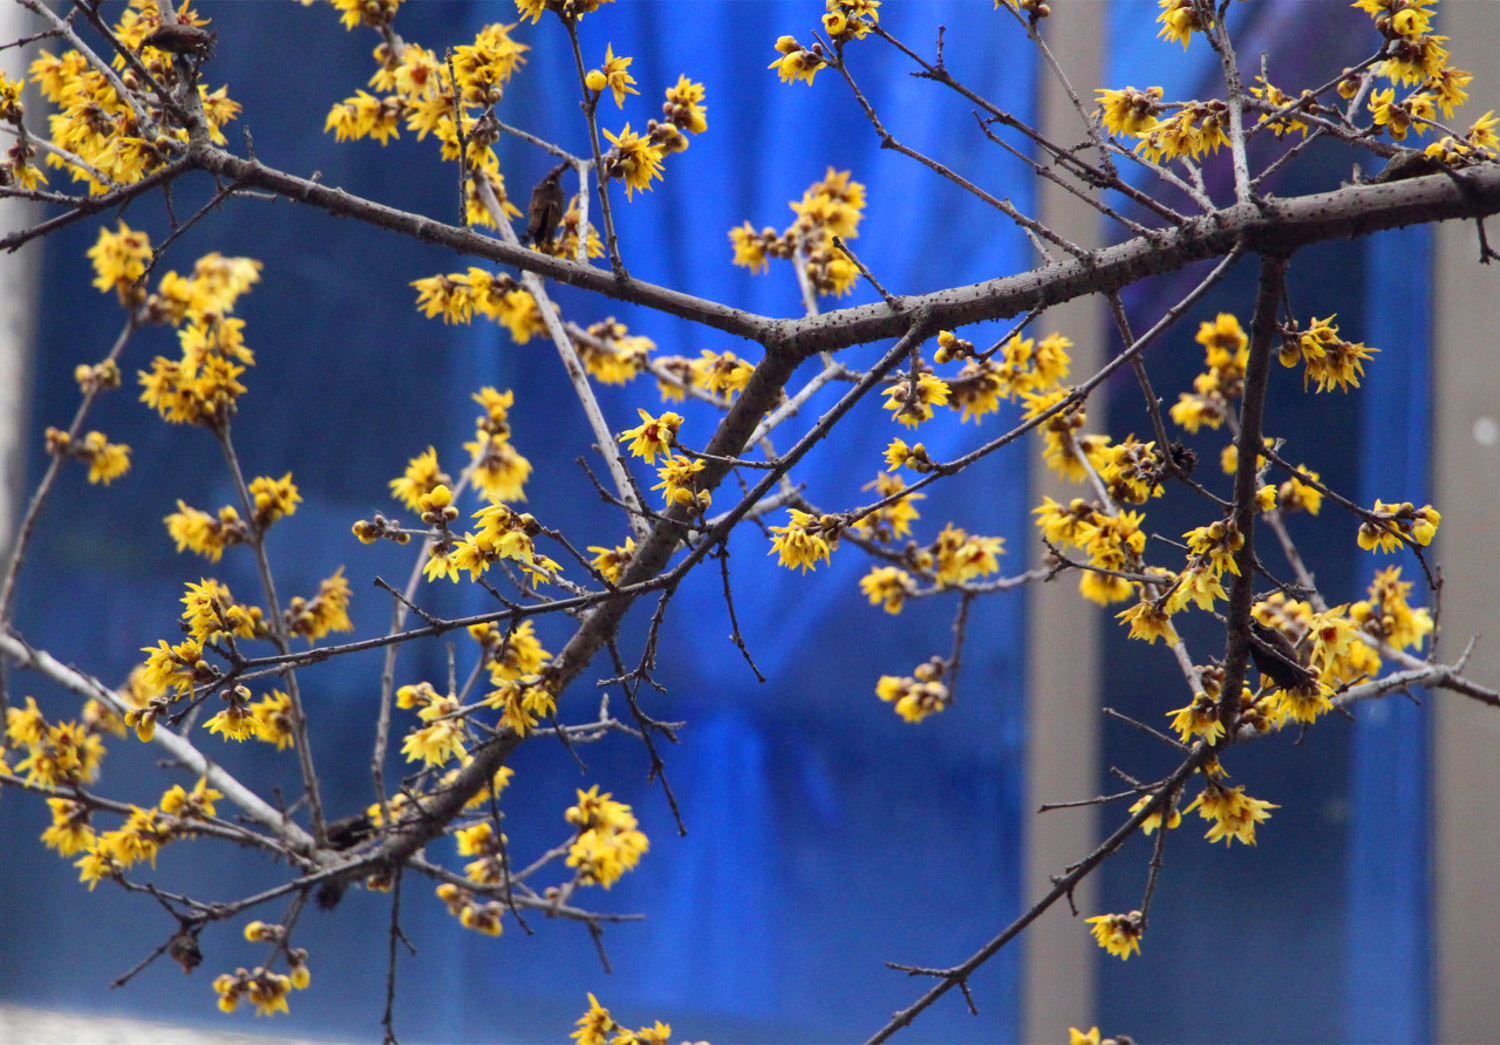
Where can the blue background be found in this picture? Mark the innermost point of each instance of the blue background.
(825, 836)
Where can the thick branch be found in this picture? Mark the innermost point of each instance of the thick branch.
(1271, 226)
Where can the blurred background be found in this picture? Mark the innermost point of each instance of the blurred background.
(825, 836)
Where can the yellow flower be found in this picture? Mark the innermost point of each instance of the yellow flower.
(796, 63)
(684, 106)
(1179, 19)
(1303, 703)
(1149, 623)
(197, 804)
(273, 721)
(96, 865)
(1294, 495)
(804, 540)
(1274, 96)
(1399, 520)
(679, 482)
(1387, 614)
(1481, 133)
(178, 667)
(119, 260)
(1234, 813)
(70, 832)
(25, 726)
(721, 374)
(594, 1026)
(1119, 934)
(634, 159)
(1217, 544)
(324, 612)
(1153, 821)
(915, 457)
(654, 435)
(614, 76)
(750, 247)
(608, 842)
(435, 743)
(236, 721)
(500, 471)
(887, 585)
(1205, 405)
(917, 695)
(421, 476)
(1129, 111)
(1225, 344)
(268, 992)
(273, 499)
(611, 562)
(364, 116)
(510, 655)
(960, 556)
(976, 389)
(483, 67)
(212, 613)
(912, 406)
(1198, 584)
(1200, 718)
(448, 296)
(107, 461)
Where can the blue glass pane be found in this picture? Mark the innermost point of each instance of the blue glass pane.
(1288, 919)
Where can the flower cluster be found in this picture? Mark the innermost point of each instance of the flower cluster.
(637, 158)
(888, 586)
(56, 755)
(202, 385)
(1227, 349)
(102, 138)
(598, 1027)
(567, 10)
(482, 841)
(612, 354)
(498, 468)
(266, 990)
(1118, 934)
(1114, 544)
(1415, 58)
(797, 62)
(1398, 524)
(831, 207)
(107, 461)
(503, 534)
(1386, 615)
(911, 401)
(608, 842)
(481, 917)
(326, 611)
(1233, 812)
(420, 94)
(443, 736)
(805, 540)
(892, 520)
(919, 694)
(679, 483)
(1330, 361)
(109, 854)
(457, 297)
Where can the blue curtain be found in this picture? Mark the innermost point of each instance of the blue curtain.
(825, 837)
